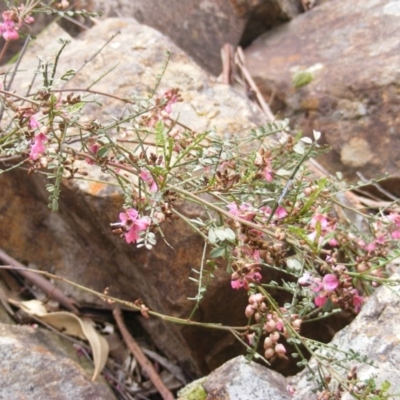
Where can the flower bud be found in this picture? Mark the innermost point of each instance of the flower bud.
(297, 324)
(249, 311)
(160, 217)
(252, 299)
(270, 326)
(280, 349)
(362, 267)
(259, 297)
(274, 336)
(268, 343)
(269, 353)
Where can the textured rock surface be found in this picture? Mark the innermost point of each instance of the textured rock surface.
(353, 52)
(77, 243)
(374, 333)
(239, 380)
(36, 364)
(201, 28)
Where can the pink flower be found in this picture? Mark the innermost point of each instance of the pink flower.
(395, 218)
(29, 19)
(38, 148)
(251, 338)
(320, 300)
(333, 242)
(7, 29)
(357, 300)
(148, 178)
(172, 97)
(323, 221)
(330, 282)
(244, 211)
(281, 212)
(10, 35)
(33, 123)
(305, 279)
(242, 281)
(395, 235)
(267, 171)
(133, 224)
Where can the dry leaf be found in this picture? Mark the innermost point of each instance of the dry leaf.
(70, 324)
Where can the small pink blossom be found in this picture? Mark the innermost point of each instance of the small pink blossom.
(29, 19)
(357, 300)
(172, 97)
(305, 279)
(244, 211)
(267, 171)
(33, 123)
(321, 219)
(279, 325)
(133, 224)
(251, 338)
(330, 282)
(320, 300)
(10, 35)
(94, 148)
(333, 242)
(243, 281)
(280, 349)
(281, 212)
(394, 218)
(8, 30)
(148, 178)
(313, 236)
(395, 235)
(38, 148)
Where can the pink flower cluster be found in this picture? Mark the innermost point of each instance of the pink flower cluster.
(248, 274)
(131, 224)
(325, 289)
(322, 288)
(244, 211)
(11, 24)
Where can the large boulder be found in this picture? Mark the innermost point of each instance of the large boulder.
(201, 28)
(353, 98)
(372, 334)
(38, 364)
(77, 243)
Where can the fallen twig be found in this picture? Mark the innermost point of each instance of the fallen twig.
(42, 283)
(143, 361)
(240, 62)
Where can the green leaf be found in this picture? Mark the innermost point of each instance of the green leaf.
(212, 237)
(302, 78)
(217, 252)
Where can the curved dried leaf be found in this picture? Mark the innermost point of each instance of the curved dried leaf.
(70, 324)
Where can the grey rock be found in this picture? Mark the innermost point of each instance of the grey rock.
(76, 243)
(37, 364)
(374, 333)
(351, 50)
(239, 380)
(201, 28)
